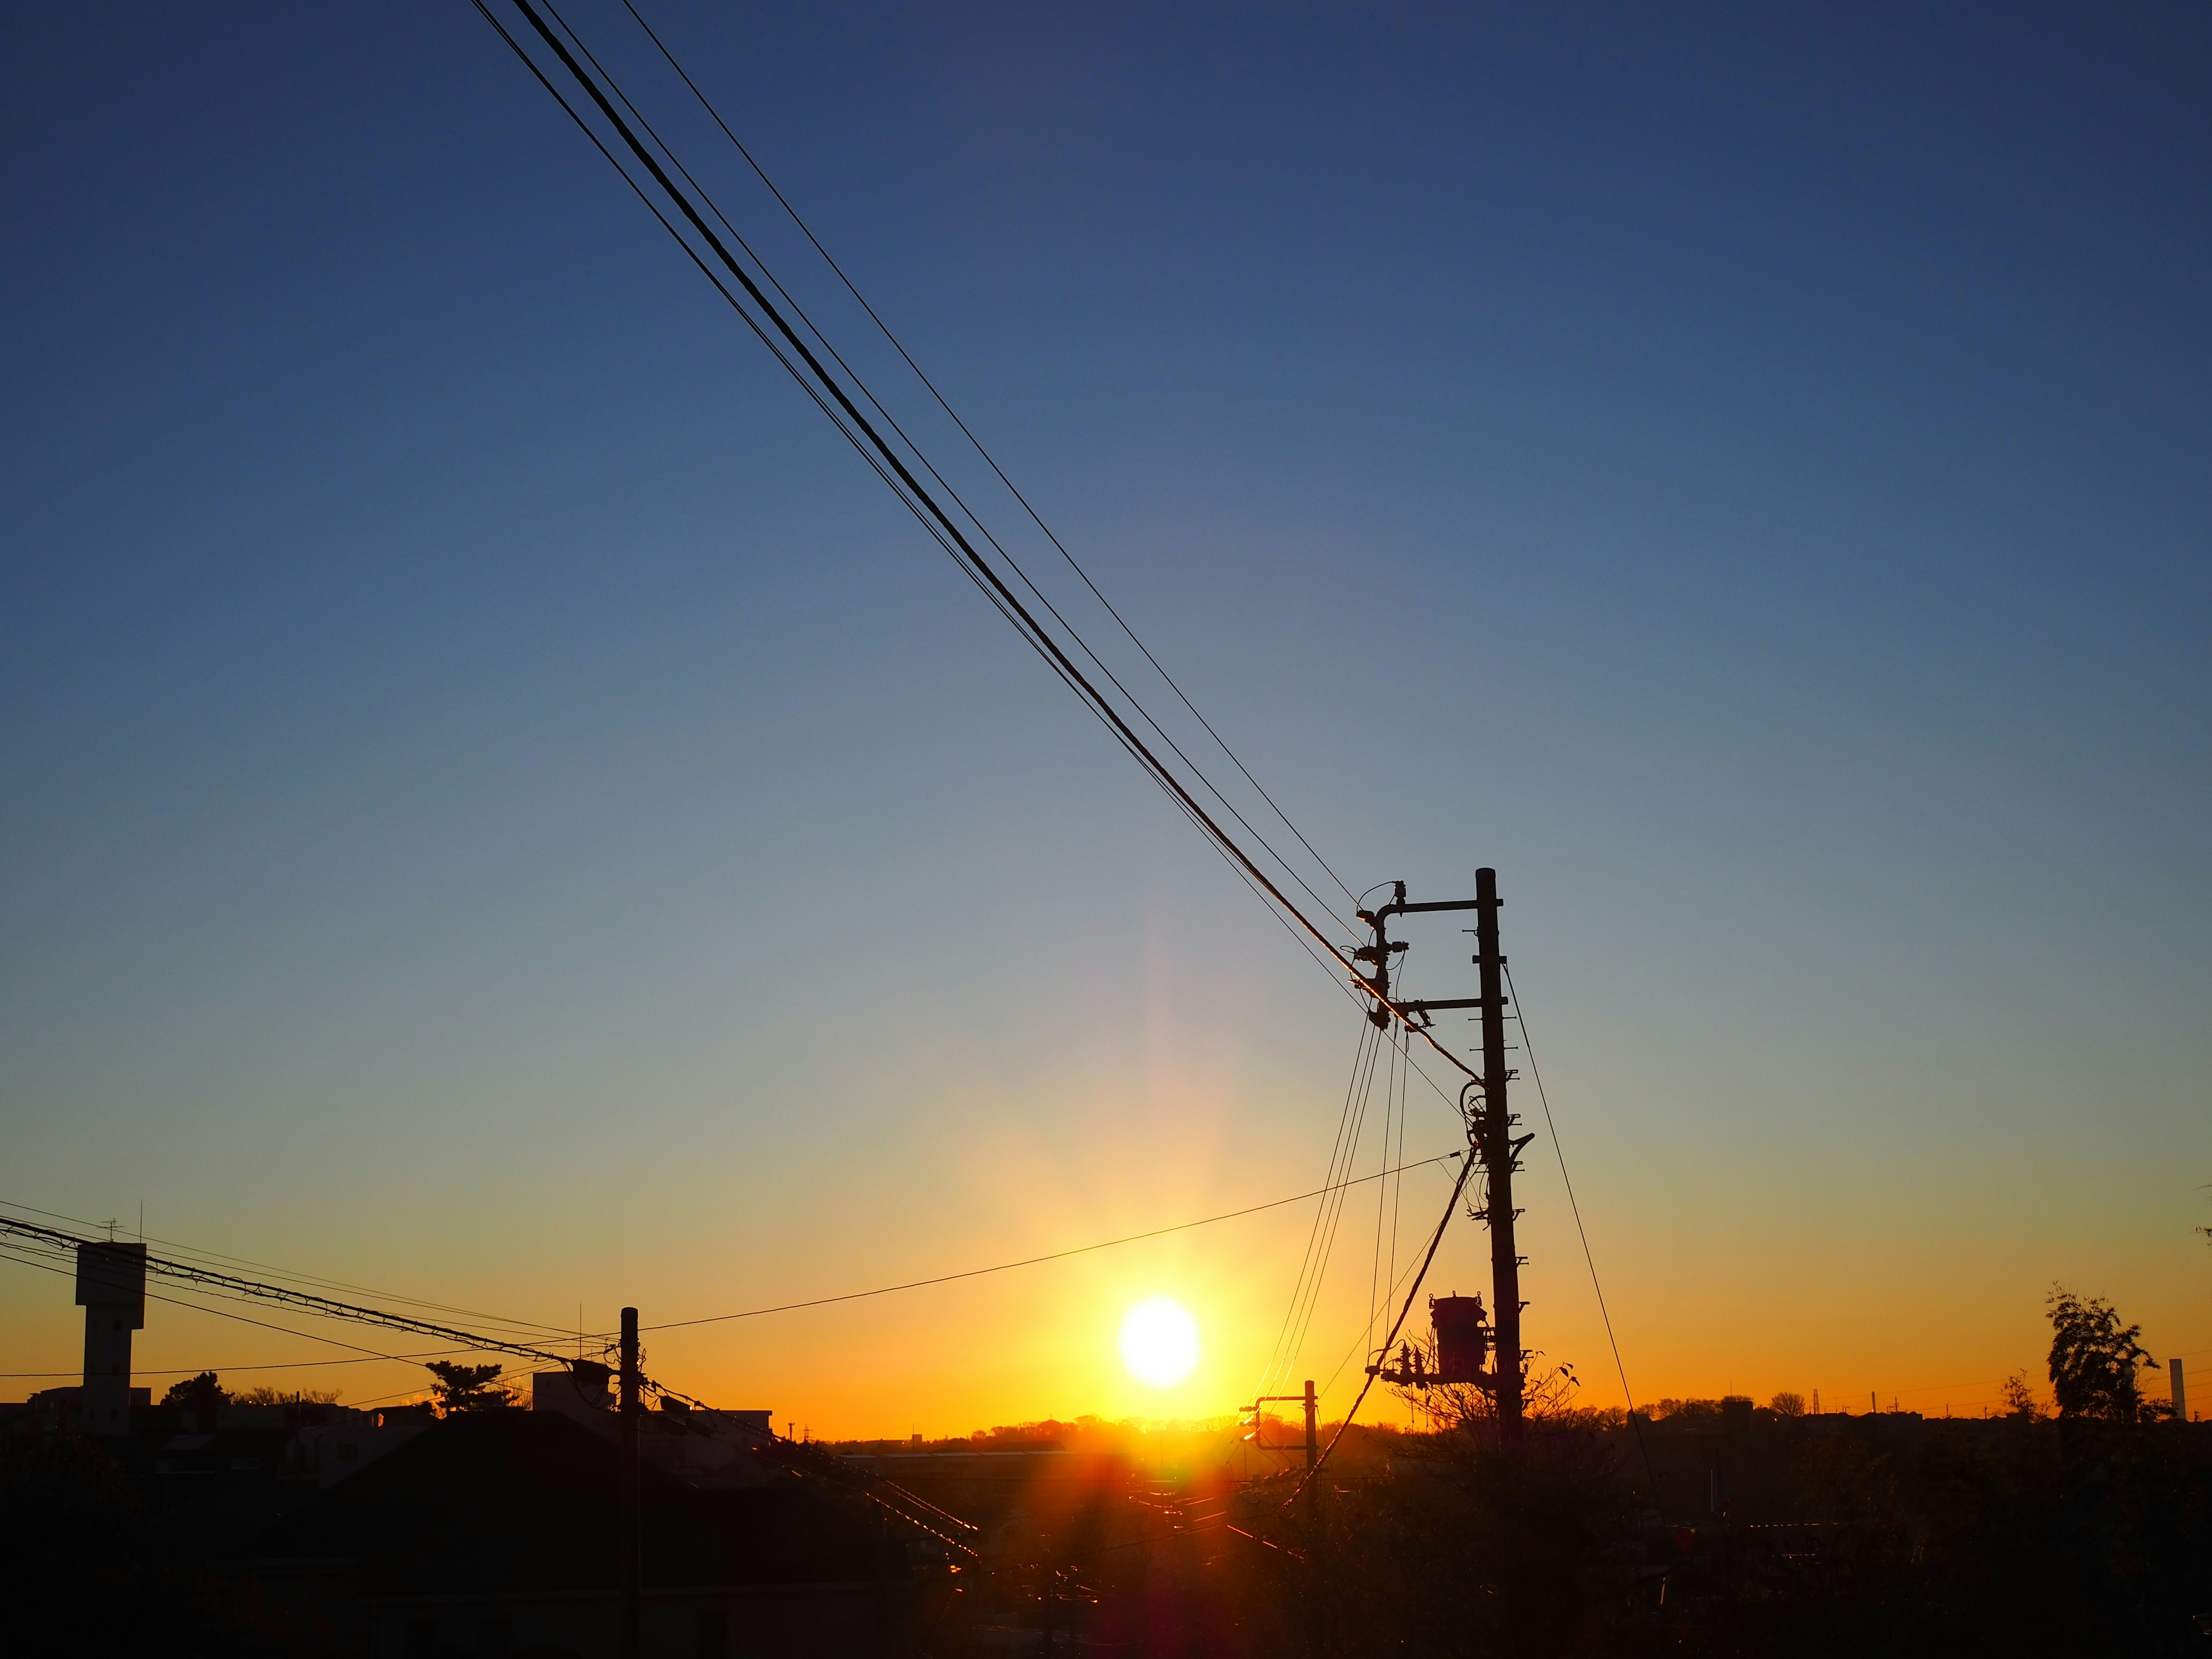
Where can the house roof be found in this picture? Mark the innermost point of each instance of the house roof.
(508, 1501)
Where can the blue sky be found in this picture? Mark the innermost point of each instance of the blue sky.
(500, 804)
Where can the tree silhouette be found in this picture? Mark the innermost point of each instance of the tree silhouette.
(203, 1396)
(2094, 1358)
(263, 1394)
(2020, 1399)
(466, 1388)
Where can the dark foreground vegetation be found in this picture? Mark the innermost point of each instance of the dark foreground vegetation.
(84, 1571)
(2003, 1537)
(1865, 1536)
(1709, 1529)
(1716, 1528)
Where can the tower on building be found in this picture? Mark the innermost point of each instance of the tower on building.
(111, 1288)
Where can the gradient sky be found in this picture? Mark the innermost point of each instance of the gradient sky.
(501, 806)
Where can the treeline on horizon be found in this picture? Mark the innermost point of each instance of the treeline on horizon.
(2084, 1528)
(2081, 1526)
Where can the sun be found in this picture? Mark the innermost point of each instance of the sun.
(1159, 1342)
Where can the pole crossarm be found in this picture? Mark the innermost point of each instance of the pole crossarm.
(307, 1300)
(1401, 908)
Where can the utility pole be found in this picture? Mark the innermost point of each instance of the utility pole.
(1313, 1525)
(1309, 1494)
(1495, 1142)
(1500, 1152)
(626, 1482)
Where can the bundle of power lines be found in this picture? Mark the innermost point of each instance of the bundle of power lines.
(569, 69)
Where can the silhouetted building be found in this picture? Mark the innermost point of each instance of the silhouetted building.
(705, 1448)
(62, 1408)
(494, 1532)
(111, 1288)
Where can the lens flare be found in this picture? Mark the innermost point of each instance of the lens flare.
(1159, 1342)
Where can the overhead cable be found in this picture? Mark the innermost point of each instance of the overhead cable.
(312, 1280)
(916, 496)
(326, 1307)
(989, 460)
(1436, 1238)
(1277, 1355)
(1033, 1261)
(1528, 1048)
(922, 458)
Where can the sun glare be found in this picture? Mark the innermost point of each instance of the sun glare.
(1159, 1342)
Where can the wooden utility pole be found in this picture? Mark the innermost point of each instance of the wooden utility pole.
(1495, 1142)
(1309, 1495)
(626, 1484)
(1313, 1523)
(1500, 1153)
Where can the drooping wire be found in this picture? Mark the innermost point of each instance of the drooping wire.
(1314, 1266)
(989, 460)
(292, 1275)
(1322, 1257)
(1398, 1186)
(257, 1366)
(1435, 1239)
(1397, 1281)
(1528, 1048)
(212, 1282)
(922, 458)
(1033, 1261)
(1344, 1118)
(909, 490)
(16, 1254)
(1332, 1215)
(1376, 1291)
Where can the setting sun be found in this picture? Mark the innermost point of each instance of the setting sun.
(1159, 1342)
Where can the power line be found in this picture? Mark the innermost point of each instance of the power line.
(198, 1307)
(1033, 1261)
(906, 486)
(927, 465)
(1528, 1046)
(258, 1365)
(1323, 1392)
(1451, 1205)
(991, 461)
(317, 1280)
(324, 1307)
(1276, 1355)
(1333, 1208)
(37, 1235)
(920, 455)
(1377, 1297)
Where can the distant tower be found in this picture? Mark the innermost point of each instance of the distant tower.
(111, 1288)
